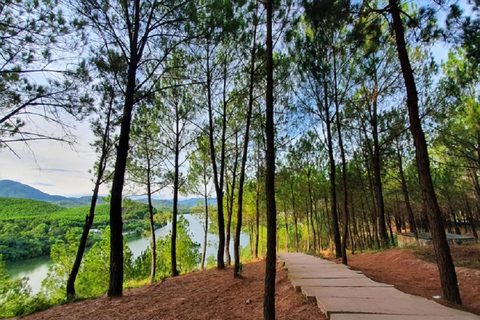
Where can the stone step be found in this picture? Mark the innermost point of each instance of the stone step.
(345, 294)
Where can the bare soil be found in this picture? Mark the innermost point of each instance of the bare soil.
(408, 273)
(210, 294)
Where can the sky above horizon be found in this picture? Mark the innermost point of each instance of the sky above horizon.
(58, 168)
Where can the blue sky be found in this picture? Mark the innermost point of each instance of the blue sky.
(58, 168)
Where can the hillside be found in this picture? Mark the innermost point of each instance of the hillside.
(167, 204)
(28, 228)
(210, 294)
(14, 189)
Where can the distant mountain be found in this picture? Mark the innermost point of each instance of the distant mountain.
(168, 203)
(194, 201)
(14, 189)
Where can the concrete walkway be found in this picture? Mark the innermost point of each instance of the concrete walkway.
(344, 294)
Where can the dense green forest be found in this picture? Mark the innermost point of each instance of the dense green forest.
(316, 124)
(29, 228)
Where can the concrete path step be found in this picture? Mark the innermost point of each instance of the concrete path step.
(344, 294)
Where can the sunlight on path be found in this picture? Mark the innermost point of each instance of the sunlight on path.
(344, 294)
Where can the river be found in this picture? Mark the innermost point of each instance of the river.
(36, 268)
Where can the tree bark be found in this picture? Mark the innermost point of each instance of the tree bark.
(91, 215)
(217, 178)
(310, 199)
(344, 164)
(152, 226)
(270, 263)
(230, 209)
(286, 226)
(238, 230)
(115, 288)
(448, 277)
(257, 204)
(175, 195)
(333, 191)
(377, 174)
(205, 229)
(295, 218)
(411, 217)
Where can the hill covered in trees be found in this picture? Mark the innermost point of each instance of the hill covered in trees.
(15, 189)
(29, 228)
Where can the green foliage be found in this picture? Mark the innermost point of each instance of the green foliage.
(31, 33)
(211, 262)
(30, 228)
(93, 277)
(15, 298)
(188, 253)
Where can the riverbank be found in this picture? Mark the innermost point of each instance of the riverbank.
(36, 269)
(209, 294)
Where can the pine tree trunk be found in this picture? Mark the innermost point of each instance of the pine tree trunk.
(270, 263)
(333, 191)
(295, 218)
(217, 178)
(286, 226)
(236, 245)
(310, 199)
(115, 288)
(344, 164)
(175, 196)
(152, 227)
(411, 217)
(377, 175)
(257, 204)
(232, 199)
(91, 215)
(205, 229)
(448, 277)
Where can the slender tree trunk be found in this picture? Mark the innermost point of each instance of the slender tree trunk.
(91, 215)
(333, 191)
(286, 226)
(448, 277)
(257, 204)
(469, 216)
(310, 200)
(344, 164)
(389, 224)
(308, 231)
(217, 177)
(152, 225)
(270, 264)
(236, 245)
(83, 241)
(295, 218)
(175, 195)
(377, 174)
(115, 288)
(411, 217)
(232, 199)
(374, 203)
(205, 229)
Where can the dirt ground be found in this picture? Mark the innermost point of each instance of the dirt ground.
(210, 294)
(404, 270)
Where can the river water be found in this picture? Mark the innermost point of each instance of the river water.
(36, 269)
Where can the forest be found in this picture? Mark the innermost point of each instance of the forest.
(29, 228)
(329, 124)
